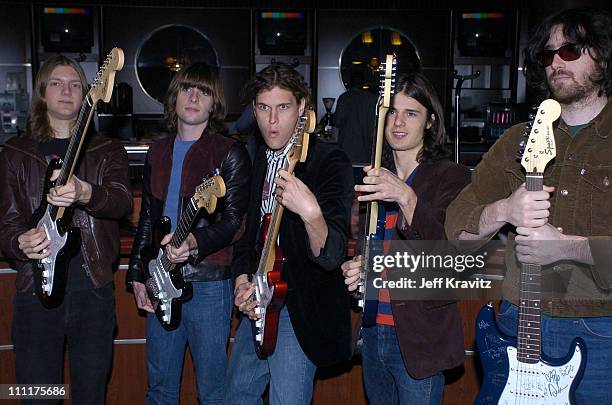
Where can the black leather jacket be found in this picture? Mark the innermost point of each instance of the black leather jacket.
(215, 233)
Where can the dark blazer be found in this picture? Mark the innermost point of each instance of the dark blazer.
(429, 332)
(318, 301)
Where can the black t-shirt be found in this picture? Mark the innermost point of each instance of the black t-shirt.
(78, 277)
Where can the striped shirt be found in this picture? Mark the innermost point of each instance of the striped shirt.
(384, 315)
(276, 161)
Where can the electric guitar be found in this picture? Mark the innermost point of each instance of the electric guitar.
(50, 273)
(375, 215)
(270, 289)
(166, 286)
(517, 372)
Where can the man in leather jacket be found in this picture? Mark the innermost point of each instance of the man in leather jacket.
(175, 166)
(99, 192)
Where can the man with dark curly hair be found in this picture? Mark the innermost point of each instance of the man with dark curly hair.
(568, 58)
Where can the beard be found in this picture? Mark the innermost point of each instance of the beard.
(575, 90)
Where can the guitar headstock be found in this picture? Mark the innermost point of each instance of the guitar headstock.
(540, 146)
(301, 135)
(102, 87)
(207, 193)
(387, 71)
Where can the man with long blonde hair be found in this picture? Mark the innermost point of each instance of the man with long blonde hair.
(99, 191)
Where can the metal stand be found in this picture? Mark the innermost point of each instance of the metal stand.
(460, 80)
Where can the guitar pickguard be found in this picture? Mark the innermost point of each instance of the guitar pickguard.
(57, 242)
(540, 383)
(164, 289)
(263, 295)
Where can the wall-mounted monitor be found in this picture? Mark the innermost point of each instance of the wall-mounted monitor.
(281, 32)
(67, 29)
(483, 34)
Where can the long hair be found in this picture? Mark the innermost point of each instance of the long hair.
(587, 27)
(417, 86)
(276, 75)
(38, 126)
(201, 76)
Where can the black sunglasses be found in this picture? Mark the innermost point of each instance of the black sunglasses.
(567, 52)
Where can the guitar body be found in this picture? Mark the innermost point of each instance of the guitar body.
(51, 273)
(265, 329)
(166, 286)
(507, 381)
(370, 305)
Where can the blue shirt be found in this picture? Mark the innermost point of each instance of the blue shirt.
(174, 187)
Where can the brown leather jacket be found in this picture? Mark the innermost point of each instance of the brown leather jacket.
(103, 164)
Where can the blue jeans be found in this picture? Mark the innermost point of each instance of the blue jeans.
(205, 326)
(288, 370)
(85, 320)
(384, 374)
(558, 333)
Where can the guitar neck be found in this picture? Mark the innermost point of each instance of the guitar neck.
(377, 149)
(270, 242)
(74, 147)
(529, 331)
(76, 141)
(186, 221)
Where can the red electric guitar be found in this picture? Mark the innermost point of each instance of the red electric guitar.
(270, 290)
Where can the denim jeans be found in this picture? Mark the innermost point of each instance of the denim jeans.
(205, 326)
(384, 374)
(557, 335)
(288, 371)
(85, 321)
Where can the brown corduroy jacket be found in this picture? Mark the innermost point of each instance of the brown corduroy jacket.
(580, 205)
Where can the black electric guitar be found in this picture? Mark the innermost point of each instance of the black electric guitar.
(515, 370)
(270, 289)
(50, 273)
(166, 286)
(374, 231)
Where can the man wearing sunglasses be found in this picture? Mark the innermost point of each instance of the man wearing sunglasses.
(569, 59)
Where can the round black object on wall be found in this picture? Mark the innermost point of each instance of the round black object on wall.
(165, 52)
(361, 58)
